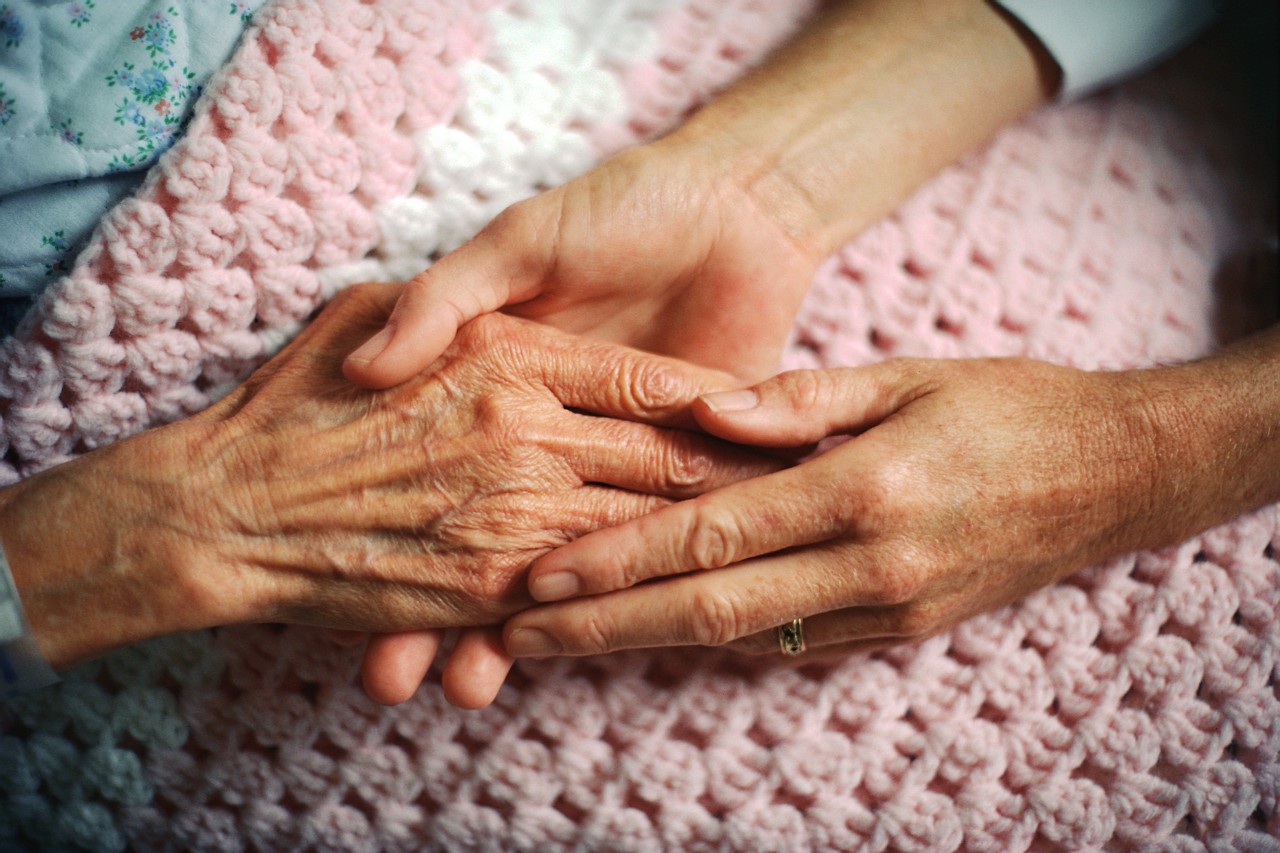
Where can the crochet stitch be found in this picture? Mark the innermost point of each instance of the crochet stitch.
(1132, 706)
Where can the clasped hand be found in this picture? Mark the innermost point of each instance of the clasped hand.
(957, 495)
(963, 488)
(300, 498)
(425, 503)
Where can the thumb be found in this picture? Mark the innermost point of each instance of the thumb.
(805, 406)
(479, 277)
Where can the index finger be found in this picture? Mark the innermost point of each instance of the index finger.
(733, 605)
(620, 382)
(798, 506)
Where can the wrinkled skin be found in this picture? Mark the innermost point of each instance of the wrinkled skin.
(701, 244)
(443, 489)
(299, 498)
(653, 249)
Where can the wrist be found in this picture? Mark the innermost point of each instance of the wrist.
(23, 667)
(875, 97)
(94, 555)
(713, 168)
(1209, 433)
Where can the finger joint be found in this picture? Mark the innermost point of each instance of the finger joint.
(651, 389)
(715, 538)
(594, 637)
(714, 618)
(686, 471)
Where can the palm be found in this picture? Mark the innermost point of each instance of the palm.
(668, 263)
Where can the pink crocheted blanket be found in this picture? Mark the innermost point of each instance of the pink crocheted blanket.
(1133, 706)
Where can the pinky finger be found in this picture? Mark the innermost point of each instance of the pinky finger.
(395, 664)
(476, 669)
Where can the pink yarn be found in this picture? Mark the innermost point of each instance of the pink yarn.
(1131, 707)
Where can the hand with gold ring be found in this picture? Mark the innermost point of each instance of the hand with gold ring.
(967, 484)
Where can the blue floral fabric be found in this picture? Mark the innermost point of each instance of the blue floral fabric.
(92, 92)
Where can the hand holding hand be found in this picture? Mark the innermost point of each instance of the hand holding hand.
(701, 244)
(655, 249)
(966, 485)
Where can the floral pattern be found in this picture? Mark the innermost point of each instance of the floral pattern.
(157, 34)
(6, 106)
(122, 99)
(156, 93)
(11, 28)
(58, 242)
(70, 134)
(78, 13)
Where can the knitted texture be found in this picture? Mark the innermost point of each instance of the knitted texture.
(1132, 706)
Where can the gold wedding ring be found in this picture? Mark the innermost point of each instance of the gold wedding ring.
(791, 637)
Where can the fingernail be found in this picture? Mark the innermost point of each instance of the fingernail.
(532, 643)
(731, 401)
(555, 586)
(372, 348)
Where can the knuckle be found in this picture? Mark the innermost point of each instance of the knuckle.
(809, 390)
(354, 293)
(903, 373)
(525, 233)
(594, 635)
(365, 301)
(897, 586)
(876, 491)
(492, 583)
(412, 300)
(615, 571)
(715, 538)
(918, 622)
(514, 222)
(879, 507)
(651, 388)
(498, 422)
(684, 468)
(714, 618)
(901, 580)
(488, 331)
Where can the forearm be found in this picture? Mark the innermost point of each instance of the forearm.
(876, 96)
(1211, 432)
(96, 557)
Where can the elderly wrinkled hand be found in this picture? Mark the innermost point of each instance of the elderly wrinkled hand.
(657, 248)
(299, 498)
(701, 244)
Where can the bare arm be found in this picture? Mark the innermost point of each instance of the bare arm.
(746, 199)
(298, 498)
(969, 484)
(874, 98)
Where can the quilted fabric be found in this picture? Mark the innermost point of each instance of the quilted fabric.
(89, 98)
